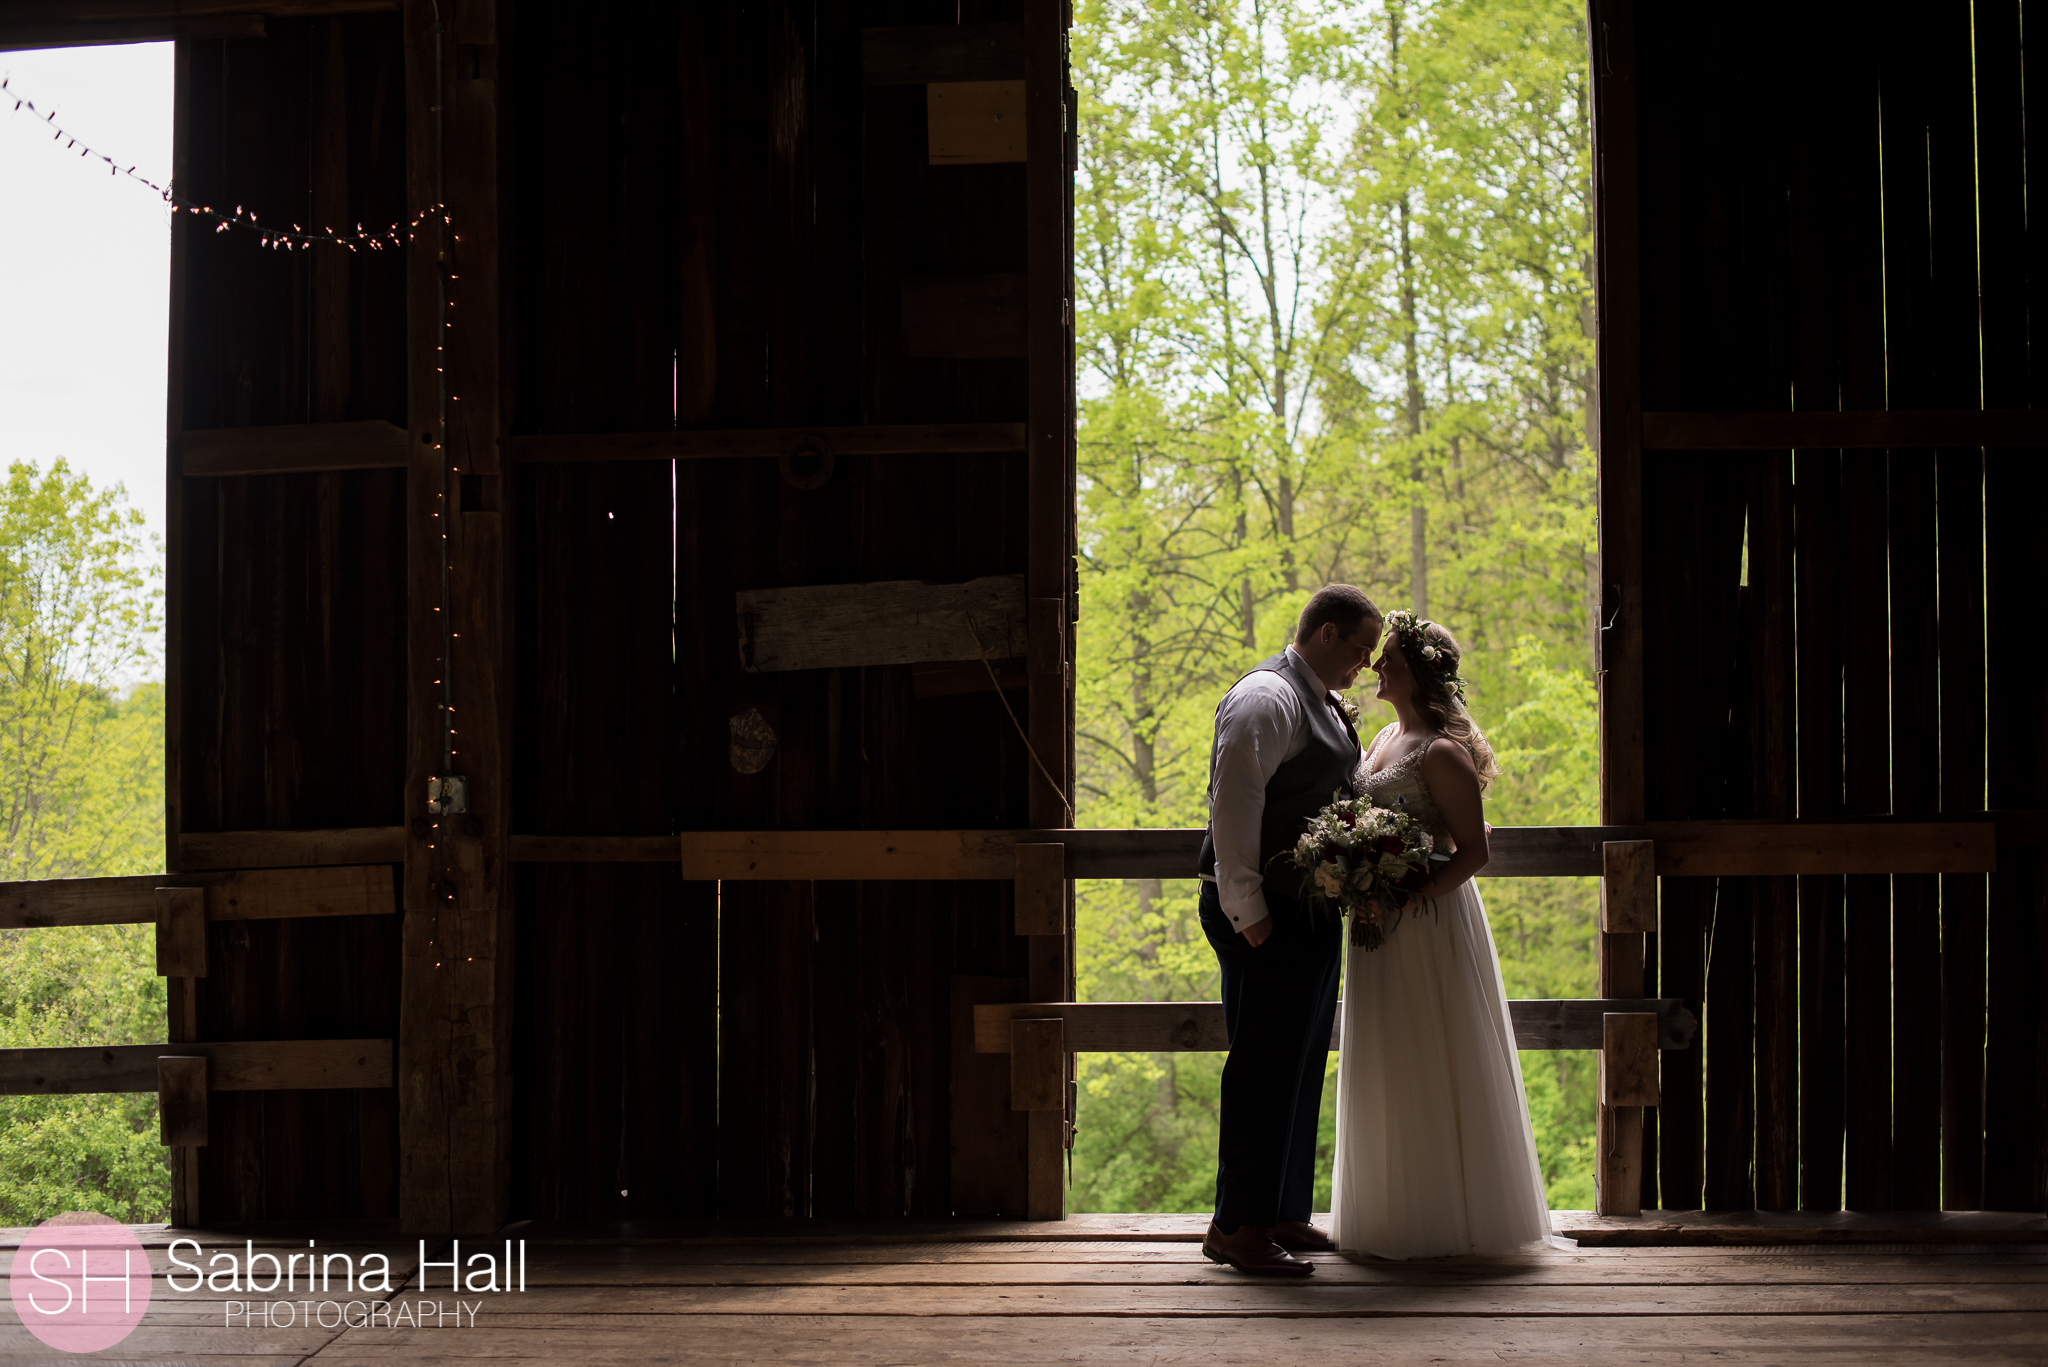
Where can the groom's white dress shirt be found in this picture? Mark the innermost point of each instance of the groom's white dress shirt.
(1260, 725)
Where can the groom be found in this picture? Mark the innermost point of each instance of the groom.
(1283, 748)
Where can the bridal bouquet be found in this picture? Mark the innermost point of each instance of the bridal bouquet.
(1366, 861)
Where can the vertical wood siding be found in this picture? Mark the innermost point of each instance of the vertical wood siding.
(1835, 220)
(291, 587)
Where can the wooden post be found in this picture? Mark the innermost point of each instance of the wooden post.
(181, 932)
(181, 1102)
(1041, 890)
(1049, 547)
(1628, 911)
(1038, 1084)
(1629, 1055)
(455, 993)
(1618, 439)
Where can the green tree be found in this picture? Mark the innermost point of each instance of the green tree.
(81, 795)
(1335, 324)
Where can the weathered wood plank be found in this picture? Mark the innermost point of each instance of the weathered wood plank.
(181, 1100)
(457, 968)
(1868, 431)
(903, 439)
(294, 448)
(181, 932)
(245, 895)
(964, 317)
(201, 850)
(1628, 887)
(974, 123)
(232, 1066)
(917, 54)
(1114, 1027)
(1628, 1064)
(1618, 423)
(1699, 848)
(564, 1307)
(901, 622)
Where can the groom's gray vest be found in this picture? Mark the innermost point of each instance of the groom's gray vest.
(1301, 786)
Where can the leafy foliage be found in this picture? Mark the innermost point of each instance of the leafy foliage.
(81, 794)
(1335, 319)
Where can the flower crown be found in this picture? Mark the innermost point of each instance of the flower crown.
(1413, 633)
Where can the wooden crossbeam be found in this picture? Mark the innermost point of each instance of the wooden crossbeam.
(1198, 1027)
(1833, 431)
(907, 439)
(1694, 848)
(199, 850)
(295, 448)
(243, 895)
(231, 1066)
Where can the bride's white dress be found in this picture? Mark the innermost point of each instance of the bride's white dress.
(1435, 1155)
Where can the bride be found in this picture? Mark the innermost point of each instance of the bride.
(1434, 1150)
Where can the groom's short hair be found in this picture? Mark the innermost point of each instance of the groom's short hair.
(1343, 604)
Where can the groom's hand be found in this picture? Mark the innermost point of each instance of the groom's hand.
(1257, 932)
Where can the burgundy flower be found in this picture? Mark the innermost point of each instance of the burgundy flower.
(1390, 844)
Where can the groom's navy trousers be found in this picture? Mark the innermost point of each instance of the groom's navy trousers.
(1279, 1004)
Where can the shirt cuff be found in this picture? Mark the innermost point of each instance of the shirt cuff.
(1249, 912)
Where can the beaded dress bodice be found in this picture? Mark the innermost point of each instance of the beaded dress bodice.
(1400, 786)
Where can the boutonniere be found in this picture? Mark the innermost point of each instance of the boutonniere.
(1349, 708)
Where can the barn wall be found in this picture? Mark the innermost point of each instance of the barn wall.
(713, 219)
(1834, 219)
(708, 222)
(288, 597)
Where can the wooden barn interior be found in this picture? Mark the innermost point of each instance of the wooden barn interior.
(620, 646)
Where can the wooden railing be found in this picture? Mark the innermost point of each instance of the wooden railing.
(269, 874)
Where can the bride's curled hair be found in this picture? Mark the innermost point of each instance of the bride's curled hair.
(1436, 700)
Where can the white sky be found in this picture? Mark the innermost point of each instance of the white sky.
(85, 262)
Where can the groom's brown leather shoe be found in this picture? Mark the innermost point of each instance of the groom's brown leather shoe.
(1250, 1251)
(1300, 1236)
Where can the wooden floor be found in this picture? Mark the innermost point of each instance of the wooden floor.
(1114, 1289)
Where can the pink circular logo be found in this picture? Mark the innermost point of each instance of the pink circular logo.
(80, 1282)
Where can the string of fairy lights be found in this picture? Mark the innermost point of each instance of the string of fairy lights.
(277, 237)
(448, 793)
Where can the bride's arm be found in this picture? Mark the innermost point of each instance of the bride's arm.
(1454, 784)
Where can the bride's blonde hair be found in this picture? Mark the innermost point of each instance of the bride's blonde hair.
(1439, 692)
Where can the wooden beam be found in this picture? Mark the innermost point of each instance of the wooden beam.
(181, 1100)
(964, 317)
(974, 123)
(199, 850)
(252, 895)
(456, 976)
(918, 54)
(231, 1066)
(15, 37)
(294, 449)
(1629, 1054)
(1617, 422)
(1197, 1027)
(1041, 889)
(906, 621)
(1628, 886)
(181, 932)
(1037, 1050)
(1765, 849)
(595, 849)
(1866, 431)
(913, 439)
(1728, 848)
(881, 855)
